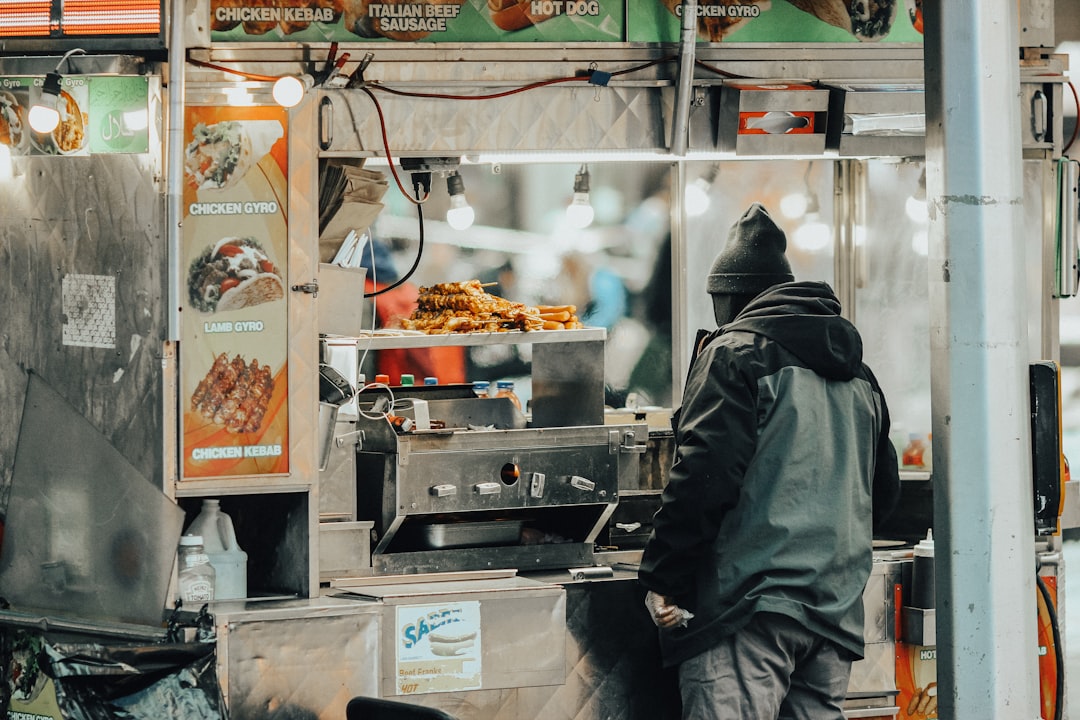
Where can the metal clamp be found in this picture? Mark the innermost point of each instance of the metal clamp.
(626, 443)
(340, 440)
(311, 287)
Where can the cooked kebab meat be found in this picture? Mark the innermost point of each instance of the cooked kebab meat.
(461, 307)
(234, 393)
(467, 307)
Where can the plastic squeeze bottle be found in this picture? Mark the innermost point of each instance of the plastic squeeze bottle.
(196, 575)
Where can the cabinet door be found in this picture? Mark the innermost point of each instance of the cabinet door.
(248, 361)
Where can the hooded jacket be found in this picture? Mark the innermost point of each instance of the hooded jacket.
(782, 465)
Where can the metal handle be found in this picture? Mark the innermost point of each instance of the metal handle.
(443, 490)
(536, 484)
(326, 123)
(582, 483)
(1038, 115)
(487, 488)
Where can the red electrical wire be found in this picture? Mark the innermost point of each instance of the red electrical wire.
(718, 71)
(386, 148)
(523, 88)
(241, 73)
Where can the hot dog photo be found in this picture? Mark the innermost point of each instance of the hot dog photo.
(450, 645)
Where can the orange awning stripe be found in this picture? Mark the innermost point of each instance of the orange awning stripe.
(24, 19)
(21, 18)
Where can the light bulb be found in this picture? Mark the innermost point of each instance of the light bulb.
(579, 213)
(813, 235)
(460, 216)
(697, 197)
(916, 209)
(44, 116)
(794, 205)
(289, 90)
(44, 119)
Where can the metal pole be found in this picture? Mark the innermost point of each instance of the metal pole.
(681, 335)
(174, 161)
(983, 523)
(680, 124)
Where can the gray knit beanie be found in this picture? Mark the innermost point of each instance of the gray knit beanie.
(752, 259)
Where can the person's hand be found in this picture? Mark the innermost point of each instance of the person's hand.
(665, 613)
(923, 702)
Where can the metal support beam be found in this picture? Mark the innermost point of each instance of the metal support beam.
(983, 523)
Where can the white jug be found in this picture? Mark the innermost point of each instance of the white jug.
(226, 557)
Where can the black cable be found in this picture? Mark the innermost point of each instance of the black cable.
(416, 260)
(1059, 661)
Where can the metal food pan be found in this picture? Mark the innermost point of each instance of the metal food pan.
(439, 536)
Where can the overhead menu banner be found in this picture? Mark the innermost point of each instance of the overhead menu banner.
(770, 21)
(234, 336)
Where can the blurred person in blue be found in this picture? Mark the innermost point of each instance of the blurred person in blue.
(763, 543)
(597, 291)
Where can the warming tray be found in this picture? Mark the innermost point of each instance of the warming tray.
(438, 536)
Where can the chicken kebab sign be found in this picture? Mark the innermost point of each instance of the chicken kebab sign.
(234, 349)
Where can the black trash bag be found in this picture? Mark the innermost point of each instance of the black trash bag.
(101, 682)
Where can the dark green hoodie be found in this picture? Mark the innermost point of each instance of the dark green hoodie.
(783, 463)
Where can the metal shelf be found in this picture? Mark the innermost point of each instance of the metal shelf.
(512, 337)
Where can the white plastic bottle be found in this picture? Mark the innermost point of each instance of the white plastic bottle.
(219, 543)
(195, 578)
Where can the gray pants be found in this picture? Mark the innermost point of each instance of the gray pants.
(772, 668)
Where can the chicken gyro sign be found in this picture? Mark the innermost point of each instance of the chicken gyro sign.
(234, 349)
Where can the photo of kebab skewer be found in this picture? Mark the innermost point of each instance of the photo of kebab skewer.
(234, 393)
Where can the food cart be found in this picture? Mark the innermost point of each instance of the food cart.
(363, 542)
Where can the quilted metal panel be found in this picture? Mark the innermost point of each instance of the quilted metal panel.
(543, 120)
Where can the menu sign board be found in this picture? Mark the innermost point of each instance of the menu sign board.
(417, 20)
(234, 341)
(98, 114)
(771, 21)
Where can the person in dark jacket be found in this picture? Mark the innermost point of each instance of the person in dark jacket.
(763, 543)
